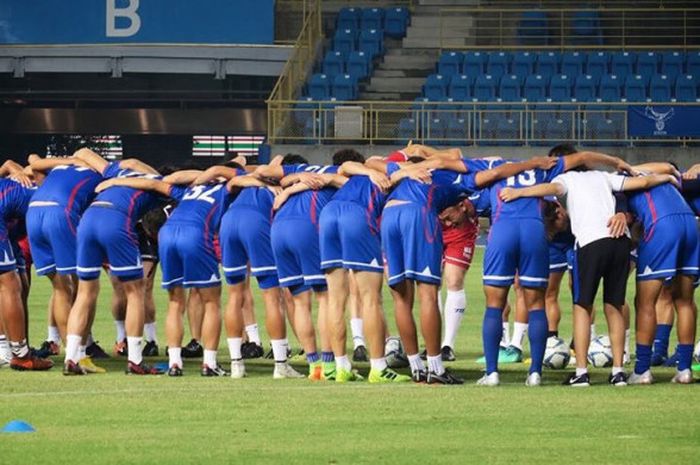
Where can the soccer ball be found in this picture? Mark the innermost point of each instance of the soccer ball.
(600, 352)
(556, 355)
(395, 355)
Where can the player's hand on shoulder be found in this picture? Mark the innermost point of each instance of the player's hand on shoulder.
(276, 190)
(543, 163)
(313, 180)
(625, 167)
(508, 194)
(104, 185)
(617, 225)
(279, 200)
(380, 180)
(33, 158)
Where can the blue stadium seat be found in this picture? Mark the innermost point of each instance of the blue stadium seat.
(560, 88)
(686, 89)
(460, 88)
(603, 131)
(498, 64)
(559, 128)
(523, 63)
(450, 63)
(422, 108)
(435, 87)
(536, 88)
(474, 63)
(303, 111)
(344, 87)
(508, 131)
(693, 63)
(533, 28)
(585, 88)
(348, 18)
(434, 130)
(320, 87)
(333, 64)
(372, 18)
(647, 64)
(510, 89)
(372, 42)
(457, 129)
(572, 63)
(344, 41)
(396, 22)
(610, 88)
(548, 63)
(672, 64)
(635, 88)
(598, 64)
(485, 88)
(585, 28)
(660, 88)
(408, 129)
(623, 64)
(358, 65)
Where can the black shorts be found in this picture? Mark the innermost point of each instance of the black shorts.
(607, 259)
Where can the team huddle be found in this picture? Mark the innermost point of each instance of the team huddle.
(335, 233)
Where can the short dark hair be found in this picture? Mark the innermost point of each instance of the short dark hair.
(167, 169)
(415, 159)
(155, 218)
(294, 159)
(341, 156)
(562, 150)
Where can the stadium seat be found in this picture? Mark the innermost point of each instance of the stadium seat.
(693, 63)
(535, 88)
(450, 63)
(372, 18)
(572, 63)
(686, 89)
(460, 88)
(498, 64)
(548, 63)
(635, 88)
(647, 64)
(585, 88)
(372, 42)
(422, 108)
(358, 65)
(474, 64)
(333, 64)
(348, 18)
(320, 87)
(303, 110)
(623, 64)
(434, 130)
(533, 28)
(396, 22)
(485, 88)
(344, 87)
(598, 64)
(523, 64)
(585, 28)
(344, 41)
(457, 130)
(660, 88)
(408, 129)
(560, 88)
(672, 64)
(559, 128)
(602, 130)
(610, 88)
(435, 87)
(510, 89)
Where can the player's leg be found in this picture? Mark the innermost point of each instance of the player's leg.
(551, 302)
(195, 313)
(252, 347)
(118, 308)
(491, 331)
(359, 353)
(338, 290)
(453, 275)
(513, 352)
(211, 329)
(174, 329)
(537, 330)
(665, 312)
(683, 297)
(150, 349)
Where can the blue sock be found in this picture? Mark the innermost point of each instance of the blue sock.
(312, 357)
(685, 356)
(643, 361)
(663, 333)
(491, 334)
(537, 330)
(327, 357)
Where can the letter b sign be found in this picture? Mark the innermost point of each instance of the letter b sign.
(128, 12)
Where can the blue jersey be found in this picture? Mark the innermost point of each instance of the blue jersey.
(255, 198)
(524, 207)
(14, 199)
(362, 191)
(691, 193)
(70, 186)
(202, 205)
(133, 202)
(307, 204)
(653, 204)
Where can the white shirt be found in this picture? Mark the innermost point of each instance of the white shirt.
(590, 202)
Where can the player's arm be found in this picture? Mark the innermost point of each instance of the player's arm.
(288, 192)
(182, 177)
(594, 160)
(353, 168)
(431, 152)
(143, 184)
(508, 194)
(657, 168)
(251, 181)
(271, 170)
(313, 180)
(46, 164)
(692, 172)
(333, 180)
(135, 164)
(215, 172)
(92, 159)
(647, 182)
(15, 171)
(506, 170)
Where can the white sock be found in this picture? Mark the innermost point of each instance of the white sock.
(505, 338)
(149, 332)
(593, 333)
(134, 343)
(519, 330)
(54, 335)
(627, 341)
(175, 356)
(378, 363)
(121, 330)
(581, 371)
(358, 336)
(210, 358)
(81, 351)
(441, 305)
(5, 351)
(455, 306)
(253, 333)
(342, 362)
(435, 364)
(416, 363)
(279, 350)
(616, 370)
(234, 348)
(73, 347)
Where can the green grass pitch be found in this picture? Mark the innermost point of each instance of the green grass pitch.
(116, 419)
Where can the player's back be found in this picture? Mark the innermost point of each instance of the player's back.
(444, 190)
(307, 204)
(691, 193)
(14, 199)
(656, 203)
(258, 199)
(133, 202)
(203, 206)
(362, 191)
(69, 186)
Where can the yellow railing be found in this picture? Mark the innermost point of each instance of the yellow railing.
(576, 5)
(617, 28)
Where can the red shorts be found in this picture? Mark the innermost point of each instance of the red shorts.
(217, 248)
(458, 244)
(26, 251)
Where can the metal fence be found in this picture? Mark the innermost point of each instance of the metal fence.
(493, 123)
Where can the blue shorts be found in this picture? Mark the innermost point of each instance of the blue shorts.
(412, 241)
(245, 238)
(348, 239)
(559, 256)
(296, 250)
(52, 237)
(107, 235)
(7, 254)
(669, 249)
(187, 256)
(517, 246)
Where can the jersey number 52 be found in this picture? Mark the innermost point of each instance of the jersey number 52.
(202, 193)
